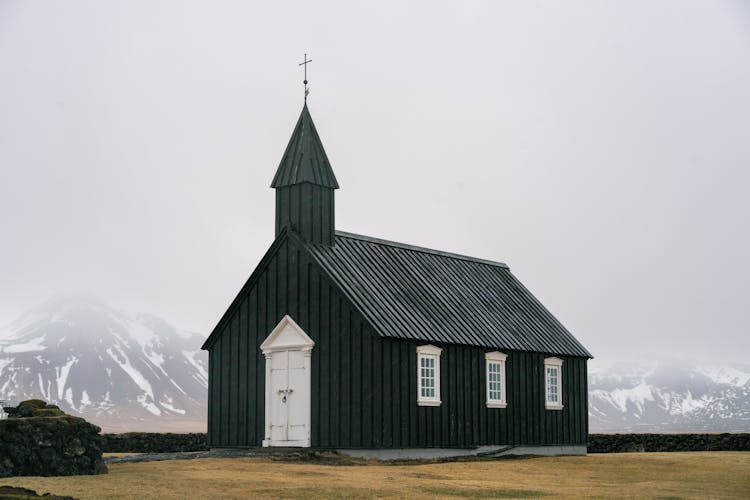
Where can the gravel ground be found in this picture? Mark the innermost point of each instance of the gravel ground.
(156, 457)
(276, 454)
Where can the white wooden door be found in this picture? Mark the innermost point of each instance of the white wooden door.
(288, 353)
(290, 399)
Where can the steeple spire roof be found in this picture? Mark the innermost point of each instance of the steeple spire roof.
(305, 160)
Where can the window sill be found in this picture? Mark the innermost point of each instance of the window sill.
(496, 404)
(553, 407)
(428, 402)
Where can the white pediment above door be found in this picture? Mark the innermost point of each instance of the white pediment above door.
(287, 336)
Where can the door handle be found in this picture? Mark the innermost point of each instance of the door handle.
(285, 392)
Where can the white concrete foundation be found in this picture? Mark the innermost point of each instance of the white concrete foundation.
(487, 451)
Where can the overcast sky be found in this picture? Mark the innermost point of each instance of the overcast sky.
(601, 149)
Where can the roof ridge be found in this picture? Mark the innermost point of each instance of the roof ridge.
(431, 251)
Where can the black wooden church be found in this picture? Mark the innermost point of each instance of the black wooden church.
(344, 341)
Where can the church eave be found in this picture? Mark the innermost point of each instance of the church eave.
(267, 257)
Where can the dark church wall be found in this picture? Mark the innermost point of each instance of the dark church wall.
(309, 209)
(286, 282)
(385, 414)
(463, 420)
(364, 388)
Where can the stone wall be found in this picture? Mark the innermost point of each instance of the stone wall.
(54, 445)
(151, 442)
(619, 443)
(141, 442)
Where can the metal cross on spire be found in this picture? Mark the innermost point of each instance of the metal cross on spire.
(304, 63)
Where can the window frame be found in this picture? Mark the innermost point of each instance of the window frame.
(495, 357)
(555, 363)
(428, 352)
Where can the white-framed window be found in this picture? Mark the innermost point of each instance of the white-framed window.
(553, 397)
(428, 375)
(495, 374)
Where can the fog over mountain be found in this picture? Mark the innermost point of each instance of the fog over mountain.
(128, 372)
(658, 397)
(121, 370)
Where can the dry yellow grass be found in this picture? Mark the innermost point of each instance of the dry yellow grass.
(684, 475)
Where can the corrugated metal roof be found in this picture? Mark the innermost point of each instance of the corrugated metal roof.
(416, 293)
(304, 159)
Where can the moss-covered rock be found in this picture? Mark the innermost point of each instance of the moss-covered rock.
(48, 412)
(33, 403)
(47, 442)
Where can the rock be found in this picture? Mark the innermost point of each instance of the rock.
(48, 412)
(32, 403)
(24, 411)
(616, 443)
(152, 442)
(49, 443)
(15, 492)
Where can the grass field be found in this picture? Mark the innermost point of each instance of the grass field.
(672, 475)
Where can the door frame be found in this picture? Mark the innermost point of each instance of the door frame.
(287, 336)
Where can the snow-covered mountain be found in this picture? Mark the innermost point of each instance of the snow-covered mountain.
(653, 397)
(130, 372)
(122, 371)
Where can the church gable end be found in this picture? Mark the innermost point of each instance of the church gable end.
(288, 282)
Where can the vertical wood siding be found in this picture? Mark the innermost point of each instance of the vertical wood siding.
(364, 387)
(308, 209)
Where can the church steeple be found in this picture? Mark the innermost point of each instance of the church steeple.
(305, 185)
(305, 160)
